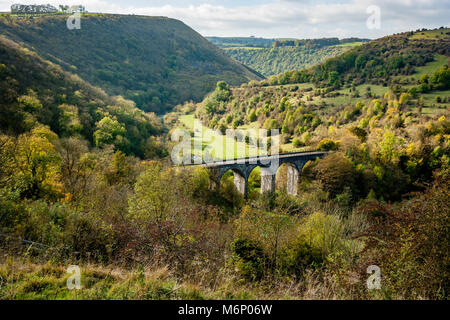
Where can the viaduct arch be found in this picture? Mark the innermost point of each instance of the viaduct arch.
(269, 166)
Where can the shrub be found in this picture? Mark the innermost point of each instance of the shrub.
(336, 172)
(328, 144)
(410, 243)
(296, 142)
(249, 258)
(299, 256)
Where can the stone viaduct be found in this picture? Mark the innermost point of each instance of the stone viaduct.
(269, 165)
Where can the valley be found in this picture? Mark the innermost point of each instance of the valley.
(88, 179)
(155, 62)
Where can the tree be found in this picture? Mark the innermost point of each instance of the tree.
(404, 98)
(335, 172)
(296, 142)
(424, 79)
(360, 61)
(37, 163)
(358, 132)
(328, 144)
(30, 102)
(69, 120)
(221, 85)
(333, 78)
(77, 167)
(109, 131)
(390, 147)
(441, 78)
(155, 196)
(252, 116)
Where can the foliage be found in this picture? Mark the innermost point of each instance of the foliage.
(328, 144)
(67, 104)
(157, 62)
(148, 230)
(409, 241)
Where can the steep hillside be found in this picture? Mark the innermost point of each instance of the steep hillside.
(376, 62)
(271, 56)
(390, 93)
(155, 61)
(274, 61)
(397, 64)
(36, 92)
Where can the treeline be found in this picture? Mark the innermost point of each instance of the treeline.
(275, 56)
(316, 43)
(225, 42)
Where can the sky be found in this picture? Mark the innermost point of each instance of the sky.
(280, 18)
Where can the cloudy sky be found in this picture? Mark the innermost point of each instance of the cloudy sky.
(279, 18)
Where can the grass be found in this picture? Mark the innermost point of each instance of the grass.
(431, 67)
(24, 279)
(350, 44)
(430, 34)
(337, 101)
(30, 281)
(188, 120)
(430, 99)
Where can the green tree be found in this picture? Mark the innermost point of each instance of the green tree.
(333, 78)
(109, 131)
(390, 147)
(155, 195)
(441, 78)
(36, 163)
(252, 116)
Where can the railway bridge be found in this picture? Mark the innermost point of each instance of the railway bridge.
(269, 165)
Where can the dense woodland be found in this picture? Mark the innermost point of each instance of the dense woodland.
(86, 179)
(272, 57)
(154, 61)
(373, 63)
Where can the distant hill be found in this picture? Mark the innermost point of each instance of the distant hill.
(36, 92)
(376, 62)
(155, 61)
(274, 56)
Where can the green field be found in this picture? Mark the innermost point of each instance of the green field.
(430, 100)
(244, 48)
(431, 67)
(362, 89)
(350, 44)
(216, 145)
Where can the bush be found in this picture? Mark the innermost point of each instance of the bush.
(249, 258)
(328, 145)
(296, 142)
(336, 172)
(410, 243)
(299, 256)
